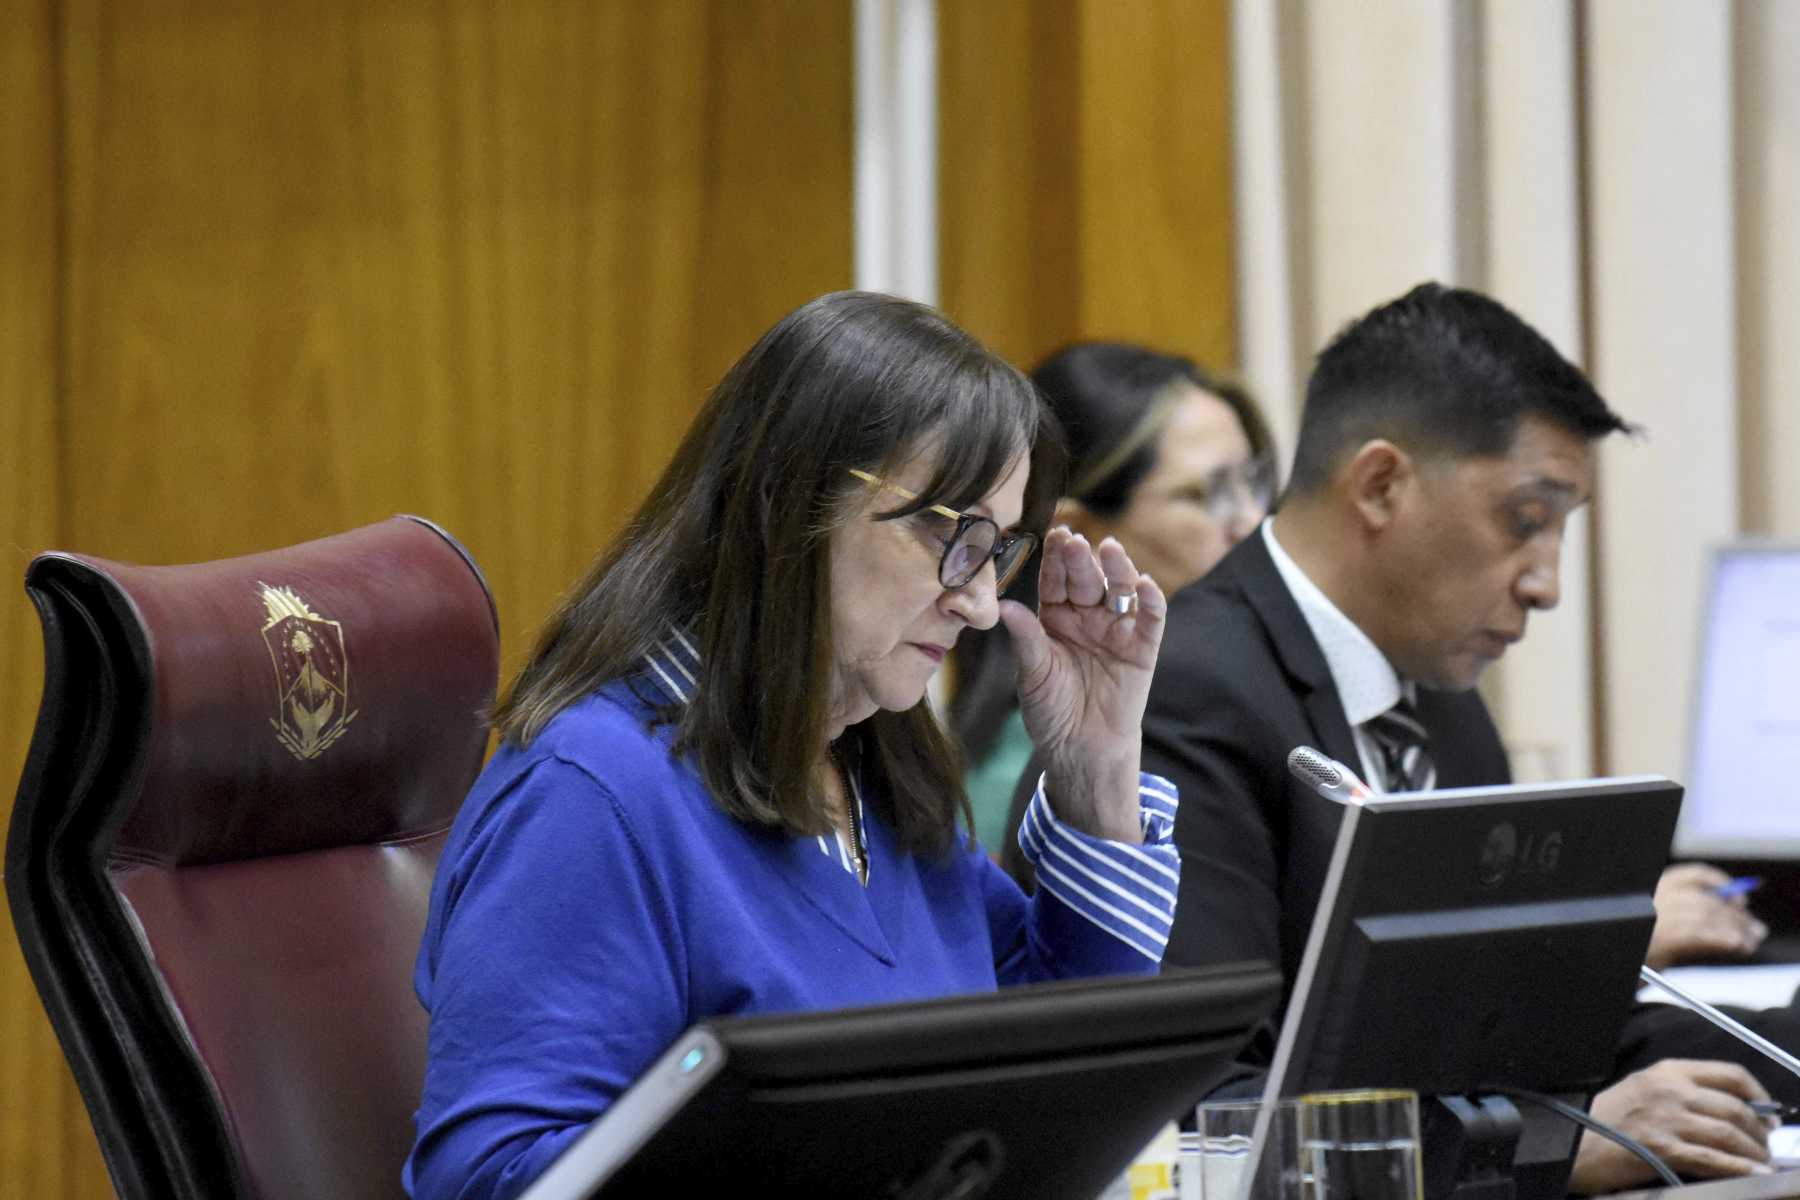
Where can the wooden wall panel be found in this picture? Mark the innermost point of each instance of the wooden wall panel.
(332, 260)
(1086, 173)
(1156, 175)
(1009, 204)
(336, 260)
(46, 1146)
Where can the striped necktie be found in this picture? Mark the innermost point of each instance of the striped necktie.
(1401, 739)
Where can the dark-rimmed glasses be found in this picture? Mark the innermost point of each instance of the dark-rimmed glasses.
(976, 541)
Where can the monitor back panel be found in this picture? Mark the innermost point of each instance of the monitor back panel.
(1043, 1092)
(1489, 935)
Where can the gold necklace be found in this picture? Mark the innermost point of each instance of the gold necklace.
(858, 856)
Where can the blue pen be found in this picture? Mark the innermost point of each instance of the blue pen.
(1741, 885)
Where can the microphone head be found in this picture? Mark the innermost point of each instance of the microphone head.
(1314, 769)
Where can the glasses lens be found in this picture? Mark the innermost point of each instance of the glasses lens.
(968, 553)
(1230, 489)
(1012, 559)
(1259, 480)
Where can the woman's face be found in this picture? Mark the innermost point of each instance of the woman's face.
(892, 623)
(1168, 526)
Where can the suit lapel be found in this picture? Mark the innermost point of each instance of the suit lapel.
(1464, 741)
(1295, 647)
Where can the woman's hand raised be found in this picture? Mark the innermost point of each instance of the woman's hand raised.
(1084, 678)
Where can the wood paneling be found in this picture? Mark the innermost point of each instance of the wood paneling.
(1156, 175)
(326, 261)
(1009, 204)
(1086, 173)
(336, 260)
(46, 1146)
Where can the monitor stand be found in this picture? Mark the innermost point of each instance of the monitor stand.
(1473, 1141)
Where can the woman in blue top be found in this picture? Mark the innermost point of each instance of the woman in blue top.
(720, 789)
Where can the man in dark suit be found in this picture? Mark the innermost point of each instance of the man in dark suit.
(1443, 445)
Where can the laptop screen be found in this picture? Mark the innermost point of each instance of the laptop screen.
(1743, 785)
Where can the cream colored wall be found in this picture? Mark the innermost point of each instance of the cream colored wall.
(1768, 174)
(1268, 185)
(1529, 165)
(1626, 175)
(1380, 113)
(1664, 334)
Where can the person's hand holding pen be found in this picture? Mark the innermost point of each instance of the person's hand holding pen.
(1699, 1117)
(1775, 1111)
(1701, 912)
(1737, 887)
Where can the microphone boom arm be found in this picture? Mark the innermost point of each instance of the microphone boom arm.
(1736, 1029)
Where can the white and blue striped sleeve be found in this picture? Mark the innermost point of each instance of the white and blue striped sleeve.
(1127, 890)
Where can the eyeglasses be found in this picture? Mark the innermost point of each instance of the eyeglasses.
(1231, 489)
(974, 542)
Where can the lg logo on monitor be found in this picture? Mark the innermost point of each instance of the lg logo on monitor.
(1504, 852)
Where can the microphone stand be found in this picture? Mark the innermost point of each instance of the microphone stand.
(1736, 1029)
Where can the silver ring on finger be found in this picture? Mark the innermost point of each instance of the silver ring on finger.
(1121, 599)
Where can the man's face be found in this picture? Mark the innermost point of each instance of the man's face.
(1474, 547)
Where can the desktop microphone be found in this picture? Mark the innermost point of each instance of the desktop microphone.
(1749, 1037)
(1326, 776)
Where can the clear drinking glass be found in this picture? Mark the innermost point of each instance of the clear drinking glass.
(1359, 1145)
(1215, 1156)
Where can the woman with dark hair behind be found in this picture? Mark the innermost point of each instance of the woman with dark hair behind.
(720, 789)
(1174, 463)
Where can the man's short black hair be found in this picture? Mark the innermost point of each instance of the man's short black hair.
(1442, 373)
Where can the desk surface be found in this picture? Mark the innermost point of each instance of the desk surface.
(1783, 1185)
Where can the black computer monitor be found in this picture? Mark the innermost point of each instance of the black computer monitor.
(1480, 937)
(1034, 1093)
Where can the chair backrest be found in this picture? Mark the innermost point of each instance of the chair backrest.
(223, 844)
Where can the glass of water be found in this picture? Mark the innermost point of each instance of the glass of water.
(1359, 1145)
(1219, 1153)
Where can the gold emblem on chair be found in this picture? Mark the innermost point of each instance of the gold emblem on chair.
(312, 673)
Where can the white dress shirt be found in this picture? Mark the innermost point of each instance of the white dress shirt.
(1367, 685)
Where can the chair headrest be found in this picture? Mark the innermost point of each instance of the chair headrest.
(358, 667)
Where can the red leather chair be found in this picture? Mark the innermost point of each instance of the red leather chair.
(222, 850)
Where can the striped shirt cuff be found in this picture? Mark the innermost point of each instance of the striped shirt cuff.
(1127, 890)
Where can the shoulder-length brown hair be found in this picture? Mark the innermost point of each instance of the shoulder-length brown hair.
(733, 543)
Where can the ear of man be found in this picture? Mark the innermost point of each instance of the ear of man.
(1377, 481)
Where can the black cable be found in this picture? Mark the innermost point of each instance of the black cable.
(1562, 1108)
